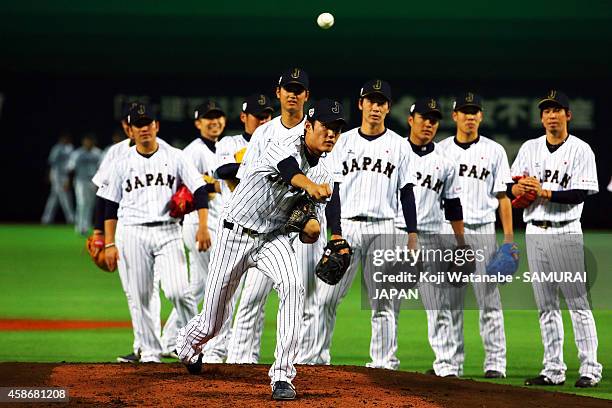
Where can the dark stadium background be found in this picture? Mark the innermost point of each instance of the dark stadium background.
(68, 65)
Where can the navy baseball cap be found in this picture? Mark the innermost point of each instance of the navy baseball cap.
(294, 76)
(126, 107)
(554, 98)
(376, 86)
(467, 99)
(326, 111)
(141, 114)
(427, 107)
(209, 110)
(257, 104)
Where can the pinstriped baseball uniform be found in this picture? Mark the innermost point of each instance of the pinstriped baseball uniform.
(147, 238)
(436, 179)
(249, 236)
(113, 154)
(205, 161)
(244, 345)
(84, 163)
(560, 248)
(375, 167)
(483, 172)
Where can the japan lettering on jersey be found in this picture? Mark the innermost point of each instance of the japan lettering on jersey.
(263, 201)
(436, 179)
(226, 149)
(371, 173)
(483, 172)
(205, 161)
(114, 153)
(570, 167)
(263, 135)
(143, 186)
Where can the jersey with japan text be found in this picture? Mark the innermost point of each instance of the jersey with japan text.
(483, 172)
(570, 167)
(263, 135)
(143, 185)
(371, 171)
(435, 180)
(205, 161)
(113, 153)
(263, 201)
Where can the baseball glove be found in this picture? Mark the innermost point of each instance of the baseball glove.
(95, 248)
(305, 209)
(505, 261)
(460, 266)
(333, 265)
(523, 200)
(181, 202)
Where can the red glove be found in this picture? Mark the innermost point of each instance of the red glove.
(523, 200)
(181, 202)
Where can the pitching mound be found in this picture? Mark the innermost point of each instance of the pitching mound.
(227, 386)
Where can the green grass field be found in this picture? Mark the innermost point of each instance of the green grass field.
(46, 274)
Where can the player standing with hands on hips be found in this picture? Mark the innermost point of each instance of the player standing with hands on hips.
(560, 169)
(484, 175)
(148, 239)
(251, 234)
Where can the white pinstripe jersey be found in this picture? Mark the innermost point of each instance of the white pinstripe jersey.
(263, 201)
(143, 186)
(272, 130)
(483, 171)
(205, 161)
(571, 166)
(371, 173)
(436, 179)
(113, 153)
(226, 149)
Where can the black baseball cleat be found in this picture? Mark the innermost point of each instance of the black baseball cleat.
(283, 391)
(585, 382)
(195, 368)
(494, 374)
(130, 358)
(541, 380)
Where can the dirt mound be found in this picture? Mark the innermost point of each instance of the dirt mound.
(221, 385)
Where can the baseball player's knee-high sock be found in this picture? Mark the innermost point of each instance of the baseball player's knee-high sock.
(243, 347)
(278, 261)
(229, 261)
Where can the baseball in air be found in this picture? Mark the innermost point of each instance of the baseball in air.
(325, 20)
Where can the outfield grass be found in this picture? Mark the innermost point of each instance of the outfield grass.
(45, 274)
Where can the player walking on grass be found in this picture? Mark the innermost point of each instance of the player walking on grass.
(251, 235)
(148, 240)
(484, 175)
(561, 170)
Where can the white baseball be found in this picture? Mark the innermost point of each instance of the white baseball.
(325, 20)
